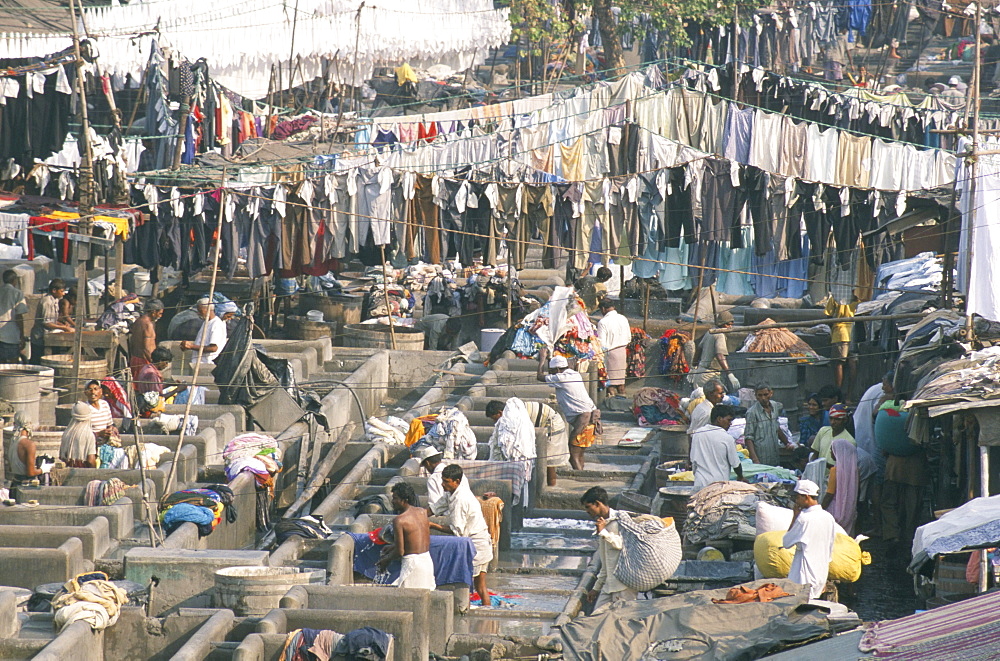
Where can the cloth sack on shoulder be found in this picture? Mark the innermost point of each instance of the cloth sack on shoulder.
(651, 551)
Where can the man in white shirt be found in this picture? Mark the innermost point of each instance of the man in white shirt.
(431, 463)
(465, 519)
(212, 337)
(702, 414)
(12, 311)
(607, 589)
(812, 534)
(614, 333)
(574, 401)
(713, 450)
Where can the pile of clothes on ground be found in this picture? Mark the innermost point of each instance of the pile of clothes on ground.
(310, 526)
(561, 323)
(104, 492)
(364, 644)
(657, 407)
(89, 598)
(258, 454)
(401, 302)
(392, 431)
(202, 507)
(451, 434)
(728, 510)
(448, 431)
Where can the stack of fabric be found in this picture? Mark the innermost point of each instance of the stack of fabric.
(90, 598)
(656, 407)
(202, 507)
(310, 644)
(777, 340)
(728, 510)
(393, 430)
(309, 527)
(104, 492)
(257, 453)
(452, 435)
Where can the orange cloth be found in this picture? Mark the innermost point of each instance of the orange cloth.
(418, 427)
(493, 513)
(585, 438)
(744, 595)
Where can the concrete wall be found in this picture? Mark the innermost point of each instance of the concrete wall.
(412, 369)
(187, 577)
(119, 516)
(29, 566)
(400, 625)
(433, 610)
(187, 632)
(94, 537)
(372, 386)
(77, 641)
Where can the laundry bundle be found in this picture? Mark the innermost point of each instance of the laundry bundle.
(393, 430)
(310, 527)
(104, 492)
(257, 453)
(452, 435)
(90, 598)
(654, 407)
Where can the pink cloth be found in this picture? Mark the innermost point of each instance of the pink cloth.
(844, 507)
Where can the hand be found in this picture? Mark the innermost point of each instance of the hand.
(591, 595)
(489, 494)
(185, 345)
(602, 523)
(382, 564)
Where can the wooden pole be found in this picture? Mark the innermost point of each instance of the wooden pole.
(181, 133)
(645, 308)
(510, 292)
(385, 294)
(87, 202)
(168, 487)
(817, 322)
(974, 166)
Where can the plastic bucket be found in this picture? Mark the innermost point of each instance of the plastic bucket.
(488, 338)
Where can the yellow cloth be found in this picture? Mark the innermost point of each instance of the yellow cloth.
(573, 163)
(840, 332)
(405, 74)
(416, 430)
(493, 513)
(121, 224)
(774, 561)
(686, 476)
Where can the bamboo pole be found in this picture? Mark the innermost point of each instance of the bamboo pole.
(817, 322)
(385, 295)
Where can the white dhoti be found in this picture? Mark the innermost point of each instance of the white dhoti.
(484, 553)
(417, 571)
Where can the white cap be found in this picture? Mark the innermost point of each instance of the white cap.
(954, 80)
(807, 488)
(204, 301)
(557, 362)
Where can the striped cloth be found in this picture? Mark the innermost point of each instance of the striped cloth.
(885, 637)
(511, 471)
(977, 644)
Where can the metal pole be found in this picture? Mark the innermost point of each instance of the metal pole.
(201, 347)
(385, 294)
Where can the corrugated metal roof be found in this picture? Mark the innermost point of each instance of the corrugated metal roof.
(35, 16)
(842, 648)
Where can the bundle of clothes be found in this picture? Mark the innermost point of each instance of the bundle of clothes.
(257, 454)
(635, 352)
(677, 353)
(448, 431)
(202, 507)
(401, 302)
(393, 430)
(120, 315)
(513, 440)
(728, 510)
(364, 644)
(310, 526)
(657, 407)
(89, 598)
(104, 492)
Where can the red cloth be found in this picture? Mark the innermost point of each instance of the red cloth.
(744, 595)
(48, 225)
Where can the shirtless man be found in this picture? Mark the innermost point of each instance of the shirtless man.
(413, 541)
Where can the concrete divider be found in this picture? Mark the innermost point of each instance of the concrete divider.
(260, 647)
(76, 495)
(27, 565)
(433, 610)
(119, 516)
(80, 477)
(400, 625)
(187, 634)
(77, 641)
(187, 577)
(94, 537)
(9, 623)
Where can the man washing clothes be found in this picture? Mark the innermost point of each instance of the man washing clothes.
(713, 450)
(544, 417)
(581, 414)
(412, 531)
(812, 534)
(431, 463)
(465, 519)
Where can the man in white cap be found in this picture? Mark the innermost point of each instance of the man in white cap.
(812, 534)
(577, 407)
(212, 337)
(431, 463)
